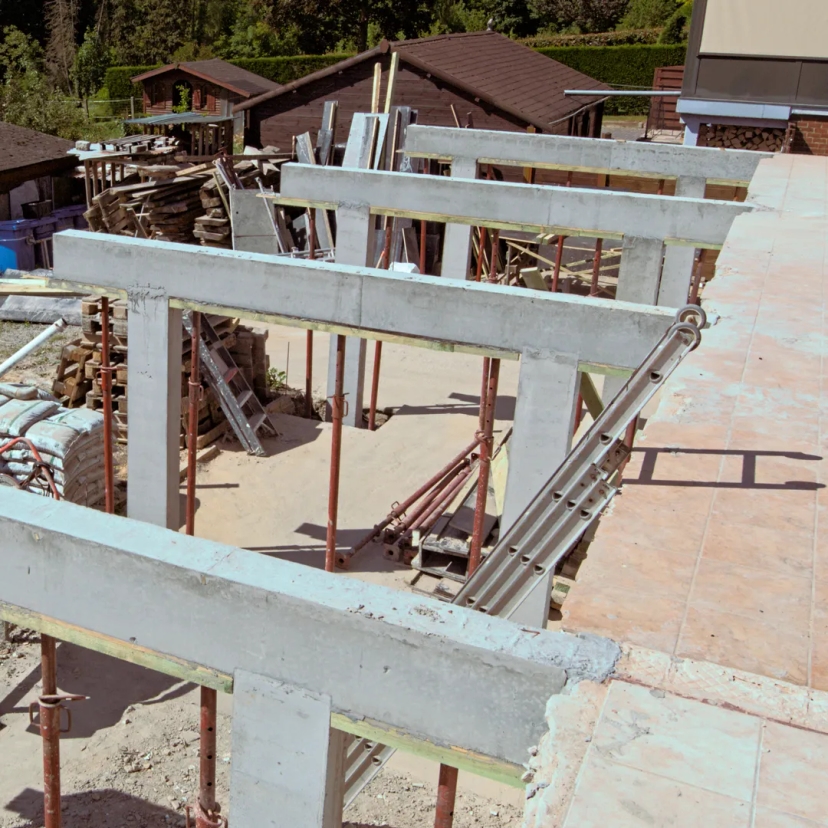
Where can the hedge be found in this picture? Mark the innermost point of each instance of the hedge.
(279, 69)
(620, 66)
(624, 37)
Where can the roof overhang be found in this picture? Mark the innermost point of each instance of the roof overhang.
(180, 67)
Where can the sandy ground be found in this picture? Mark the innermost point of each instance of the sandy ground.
(131, 757)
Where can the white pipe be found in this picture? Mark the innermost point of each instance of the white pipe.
(42, 337)
(621, 93)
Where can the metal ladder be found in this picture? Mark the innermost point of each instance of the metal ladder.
(237, 399)
(562, 511)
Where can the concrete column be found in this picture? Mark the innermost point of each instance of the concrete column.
(691, 131)
(678, 261)
(354, 246)
(154, 376)
(280, 746)
(541, 439)
(638, 281)
(457, 243)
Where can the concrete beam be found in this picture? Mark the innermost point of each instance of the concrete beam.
(506, 319)
(678, 262)
(570, 210)
(456, 244)
(553, 152)
(251, 225)
(446, 675)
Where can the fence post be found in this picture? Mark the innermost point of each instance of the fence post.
(131, 106)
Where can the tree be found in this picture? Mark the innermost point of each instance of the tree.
(515, 18)
(585, 15)
(676, 29)
(27, 98)
(61, 23)
(91, 62)
(647, 14)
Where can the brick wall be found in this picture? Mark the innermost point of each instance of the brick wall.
(810, 135)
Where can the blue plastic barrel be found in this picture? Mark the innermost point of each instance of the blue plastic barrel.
(16, 250)
(70, 218)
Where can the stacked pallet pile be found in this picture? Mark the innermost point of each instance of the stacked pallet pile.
(69, 442)
(213, 228)
(78, 380)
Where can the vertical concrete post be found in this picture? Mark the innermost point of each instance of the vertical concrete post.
(354, 246)
(457, 242)
(154, 376)
(542, 436)
(638, 281)
(678, 261)
(280, 745)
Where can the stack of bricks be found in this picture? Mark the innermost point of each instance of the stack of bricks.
(810, 135)
(78, 378)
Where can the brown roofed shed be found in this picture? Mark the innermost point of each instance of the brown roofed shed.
(487, 78)
(29, 154)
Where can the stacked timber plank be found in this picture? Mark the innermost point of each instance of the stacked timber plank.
(78, 379)
(746, 138)
(69, 442)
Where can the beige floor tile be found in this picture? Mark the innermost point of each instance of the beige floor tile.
(687, 741)
(609, 795)
(746, 590)
(793, 772)
(766, 818)
(765, 647)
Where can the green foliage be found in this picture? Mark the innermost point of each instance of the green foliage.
(92, 60)
(276, 379)
(580, 15)
(183, 98)
(642, 14)
(676, 29)
(118, 84)
(286, 69)
(27, 97)
(623, 37)
(620, 66)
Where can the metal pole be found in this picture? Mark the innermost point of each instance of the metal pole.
(483, 465)
(480, 247)
(579, 411)
(194, 388)
(372, 410)
(337, 412)
(446, 796)
(596, 267)
(50, 733)
(484, 386)
(207, 813)
(697, 273)
(558, 259)
(105, 380)
(493, 261)
(43, 336)
(309, 334)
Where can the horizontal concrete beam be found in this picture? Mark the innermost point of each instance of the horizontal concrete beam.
(559, 152)
(618, 334)
(440, 673)
(604, 213)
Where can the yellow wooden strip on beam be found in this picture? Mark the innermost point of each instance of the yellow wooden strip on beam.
(33, 287)
(125, 651)
(207, 677)
(475, 763)
(591, 397)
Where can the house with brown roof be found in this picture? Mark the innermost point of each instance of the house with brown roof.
(480, 79)
(34, 168)
(204, 86)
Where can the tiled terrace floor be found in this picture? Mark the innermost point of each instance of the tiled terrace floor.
(717, 548)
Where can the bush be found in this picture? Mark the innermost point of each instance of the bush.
(118, 84)
(620, 66)
(644, 13)
(626, 37)
(286, 69)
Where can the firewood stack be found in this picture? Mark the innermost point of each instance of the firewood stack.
(744, 138)
(78, 380)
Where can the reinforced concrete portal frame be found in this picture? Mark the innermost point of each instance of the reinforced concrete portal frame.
(692, 168)
(555, 337)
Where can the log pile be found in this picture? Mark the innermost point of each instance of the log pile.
(78, 381)
(744, 138)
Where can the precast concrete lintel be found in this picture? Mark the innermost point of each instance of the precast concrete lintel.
(604, 213)
(508, 319)
(457, 242)
(586, 154)
(678, 261)
(377, 653)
